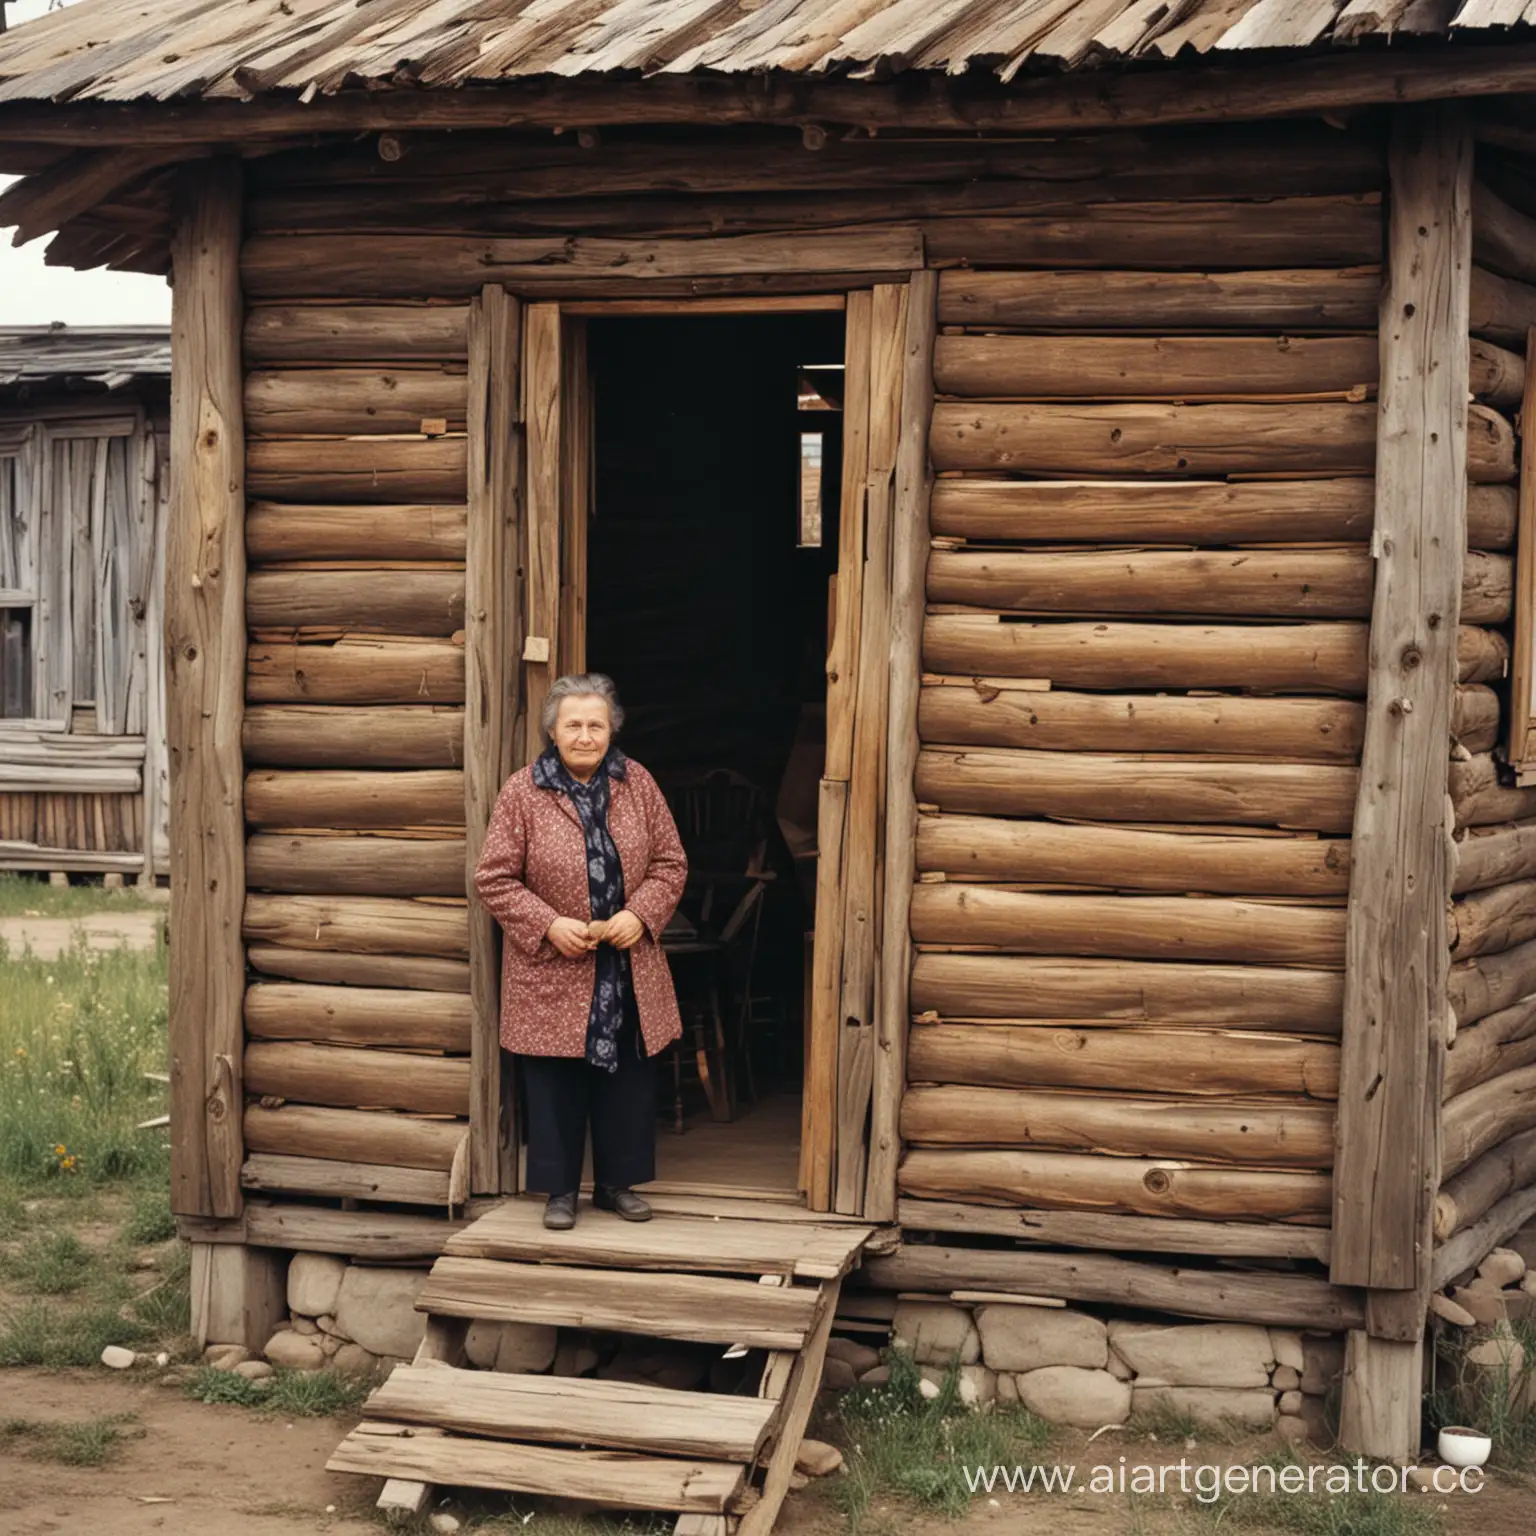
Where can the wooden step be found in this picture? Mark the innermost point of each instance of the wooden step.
(618, 1479)
(574, 1410)
(706, 1308)
(515, 1230)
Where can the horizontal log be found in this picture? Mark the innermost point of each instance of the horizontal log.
(355, 1181)
(1129, 927)
(1483, 1116)
(357, 600)
(1492, 516)
(353, 736)
(387, 470)
(1283, 231)
(1480, 800)
(312, 865)
(1480, 1186)
(377, 1016)
(1271, 1136)
(1482, 655)
(358, 925)
(332, 968)
(1502, 1042)
(378, 1237)
(1502, 310)
(1131, 1060)
(1458, 1258)
(1495, 856)
(1075, 1181)
(1304, 299)
(1490, 447)
(349, 1078)
(1052, 853)
(355, 333)
(1314, 796)
(1152, 512)
(961, 987)
(1497, 374)
(1475, 717)
(1317, 583)
(1124, 1234)
(355, 670)
(1477, 988)
(1503, 238)
(986, 712)
(344, 401)
(1151, 438)
(277, 531)
(1278, 1300)
(1328, 657)
(355, 798)
(1487, 922)
(1143, 367)
(353, 1136)
(393, 265)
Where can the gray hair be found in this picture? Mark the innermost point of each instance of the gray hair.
(580, 685)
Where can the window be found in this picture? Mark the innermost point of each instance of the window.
(820, 389)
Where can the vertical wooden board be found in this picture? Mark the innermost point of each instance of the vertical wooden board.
(575, 495)
(1381, 1399)
(205, 663)
(909, 565)
(52, 644)
(843, 651)
(239, 1294)
(1522, 673)
(862, 851)
(819, 1110)
(542, 412)
(491, 682)
(1387, 1166)
(141, 487)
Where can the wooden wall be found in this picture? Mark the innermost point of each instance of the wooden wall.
(1489, 1090)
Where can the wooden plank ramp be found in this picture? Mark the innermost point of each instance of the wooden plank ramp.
(721, 1463)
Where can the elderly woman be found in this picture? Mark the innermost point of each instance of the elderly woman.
(583, 868)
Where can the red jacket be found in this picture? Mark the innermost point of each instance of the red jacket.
(533, 869)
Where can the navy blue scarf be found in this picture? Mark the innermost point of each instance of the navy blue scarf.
(605, 886)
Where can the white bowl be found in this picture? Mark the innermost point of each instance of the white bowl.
(1461, 1447)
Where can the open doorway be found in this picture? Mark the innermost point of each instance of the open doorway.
(711, 536)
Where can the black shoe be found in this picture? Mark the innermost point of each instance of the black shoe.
(560, 1212)
(626, 1202)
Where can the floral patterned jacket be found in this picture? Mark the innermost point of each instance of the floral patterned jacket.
(533, 869)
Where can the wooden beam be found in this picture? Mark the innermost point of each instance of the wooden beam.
(1521, 747)
(542, 414)
(1387, 1170)
(1247, 90)
(205, 667)
(1383, 1389)
(50, 199)
(909, 554)
(492, 680)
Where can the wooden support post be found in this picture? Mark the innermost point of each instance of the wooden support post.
(864, 847)
(576, 448)
(542, 413)
(239, 1294)
(492, 680)
(1387, 1167)
(205, 666)
(1380, 1407)
(909, 563)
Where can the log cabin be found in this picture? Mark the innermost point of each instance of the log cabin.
(1114, 484)
(84, 485)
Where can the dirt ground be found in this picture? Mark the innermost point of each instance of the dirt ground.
(48, 937)
(192, 1470)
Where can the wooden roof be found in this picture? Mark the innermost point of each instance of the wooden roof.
(138, 50)
(106, 355)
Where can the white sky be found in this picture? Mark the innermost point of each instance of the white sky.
(32, 294)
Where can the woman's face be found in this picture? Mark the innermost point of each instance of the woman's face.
(582, 732)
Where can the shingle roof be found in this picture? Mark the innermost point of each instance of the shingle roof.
(126, 50)
(109, 355)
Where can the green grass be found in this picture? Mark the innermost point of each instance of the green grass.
(914, 1449)
(291, 1394)
(1489, 1398)
(53, 1263)
(77, 1036)
(32, 896)
(76, 1443)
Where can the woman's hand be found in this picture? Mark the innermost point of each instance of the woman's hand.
(624, 930)
(569, 935)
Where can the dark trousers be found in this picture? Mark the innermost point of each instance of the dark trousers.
(563, 1094)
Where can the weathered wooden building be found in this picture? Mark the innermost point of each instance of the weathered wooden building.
(84, 418)
(1174, 937)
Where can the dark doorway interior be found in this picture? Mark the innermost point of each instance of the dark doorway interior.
(711, 546)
